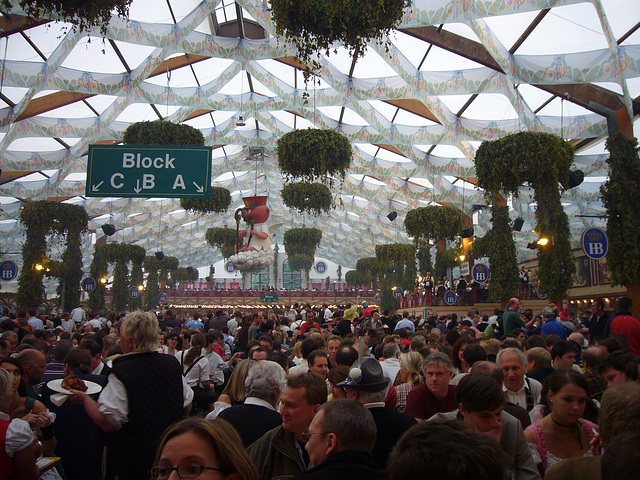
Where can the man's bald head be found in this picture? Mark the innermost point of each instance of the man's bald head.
(33, 365)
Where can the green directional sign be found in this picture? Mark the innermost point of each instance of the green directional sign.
(268, 297)
(148, 171)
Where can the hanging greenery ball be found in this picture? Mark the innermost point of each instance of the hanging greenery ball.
(218, 202)
(312, 154)
(307, 197)
(434, 222)
(300, 245)
(162, 133)
(222, 238)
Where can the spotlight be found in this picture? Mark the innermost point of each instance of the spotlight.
(576, 178)
(543, 241)
(517, 224)
(159, 255)
(467, 232)
(103, 280)
(462, 257)
(109, 229)
(392, 216)
(39, 267)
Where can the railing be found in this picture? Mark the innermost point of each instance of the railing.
(467, 297)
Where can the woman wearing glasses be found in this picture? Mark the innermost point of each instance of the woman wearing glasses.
(197, 448)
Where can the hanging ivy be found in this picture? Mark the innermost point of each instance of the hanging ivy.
(219, 201)
(81, 14)
(621, 199)
(307, 197)
(498, 245)
(300, 245)
(368, 269)
(121, 255)
(543, 161)
(222, 238)
(312, 154)
(424, 260)
(434, 223)
(162, 133)
(41, 218)
(396, 268)
(315, 26)
(151, 266)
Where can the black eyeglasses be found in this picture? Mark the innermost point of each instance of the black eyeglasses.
(307, 435)
(185, 470)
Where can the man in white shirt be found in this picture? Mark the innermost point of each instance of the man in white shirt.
(78, 315)
(524, 392)
(328, 314)
(391, 365)
(34, 321)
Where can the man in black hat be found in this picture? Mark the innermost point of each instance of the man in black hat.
(367, 384)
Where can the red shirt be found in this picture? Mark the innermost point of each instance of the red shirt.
(421, 403)
(306, 326)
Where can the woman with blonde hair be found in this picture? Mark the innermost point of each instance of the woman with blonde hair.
(194, 445)
(411, 375)
(233, 393)
(17, 454)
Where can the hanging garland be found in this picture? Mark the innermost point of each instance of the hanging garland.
(315, 26)
(621, 199)
(300, 245)
(121, 255)
(223, 239)
(313, 154)
(541, 160)
(498, 245)
(81, 14)
(42, 218)
(307, 197)
(397, 268)
(218, 202)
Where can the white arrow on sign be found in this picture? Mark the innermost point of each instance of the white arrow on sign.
(137, 188)
(95, 188)
(199, 189)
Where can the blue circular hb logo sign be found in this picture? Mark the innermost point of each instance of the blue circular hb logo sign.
(321, 267)
(595, 243)
(450, 297)
(480, 272)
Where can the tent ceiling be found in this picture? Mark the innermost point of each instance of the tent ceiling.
(456, 74)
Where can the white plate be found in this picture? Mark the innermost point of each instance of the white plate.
(56, 386)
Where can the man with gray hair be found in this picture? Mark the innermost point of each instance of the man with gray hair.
(522, 391)
(391, 365)
(340, 440)
(257, 415)
(435, 394)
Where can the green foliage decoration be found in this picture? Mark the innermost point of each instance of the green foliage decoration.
(185, 274)
(353, 277)
(368, 269)
(218, 202)
(81, 14)
(223, 238)
(151, 266)
(542, 160)
(396, 268)
(307, 197)
(42, 218)
(168, 265)
(120, 254)
(314, 26)
(97, 271)
(498, 245)
(434, 223)
(621, 199)
(312, 154)
(423, 256)
(300, 245)
(445, 261)
(162, 133)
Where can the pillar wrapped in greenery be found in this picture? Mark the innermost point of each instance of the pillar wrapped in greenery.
(184, 274)
(397, 268)
(151, 266)
(368, 269)
(42, 218)
(223, 238)
(621, 198)
(498, 245)
(445, 261)
(121, 255)
(543, 161)
(300, 245)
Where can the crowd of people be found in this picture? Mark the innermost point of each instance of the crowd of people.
(319, 392)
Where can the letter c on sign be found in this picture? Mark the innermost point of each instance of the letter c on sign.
(113, 180)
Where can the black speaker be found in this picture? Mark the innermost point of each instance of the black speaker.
(576, 178)
(392, 216)
(108, 229)
(159, 255)
(517, 224)
(467, 232)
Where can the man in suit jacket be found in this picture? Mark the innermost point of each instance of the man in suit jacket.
(480, 405)
(367, 384)
(258, 414)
